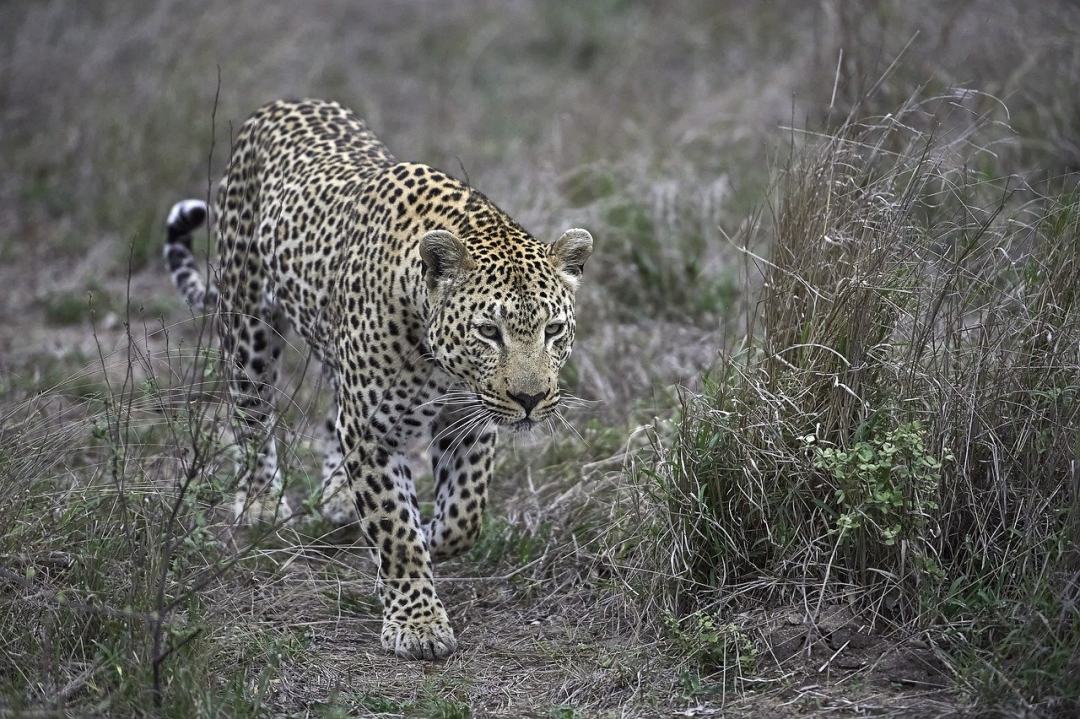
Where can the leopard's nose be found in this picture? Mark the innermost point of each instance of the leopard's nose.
(528, 401)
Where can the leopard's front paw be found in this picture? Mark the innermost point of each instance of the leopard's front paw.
(430, 638)
(339, 510)
(262, 510)
(337, 505)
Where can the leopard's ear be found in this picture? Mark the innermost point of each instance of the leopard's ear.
(570, 252)
(444, 256)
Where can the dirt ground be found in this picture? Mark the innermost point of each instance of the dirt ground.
(538, 637)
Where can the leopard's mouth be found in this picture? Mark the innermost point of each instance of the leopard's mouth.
(512, 421)
(518, 423)
(514, 418)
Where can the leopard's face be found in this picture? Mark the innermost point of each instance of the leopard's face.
(504, 326)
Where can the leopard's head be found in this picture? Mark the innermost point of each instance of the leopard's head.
(502, 321)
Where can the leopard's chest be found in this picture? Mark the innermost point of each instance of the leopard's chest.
(409, 406)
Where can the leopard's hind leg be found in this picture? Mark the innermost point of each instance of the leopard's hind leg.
(252, 328)
(337, 502)
(256, 341)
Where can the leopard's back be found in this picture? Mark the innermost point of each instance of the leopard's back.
(298, 170)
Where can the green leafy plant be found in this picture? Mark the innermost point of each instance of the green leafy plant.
(887, 485)
(712, 643)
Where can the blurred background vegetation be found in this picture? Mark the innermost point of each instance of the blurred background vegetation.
(829, 342)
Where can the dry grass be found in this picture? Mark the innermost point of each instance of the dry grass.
(897, 430)
(831, 463)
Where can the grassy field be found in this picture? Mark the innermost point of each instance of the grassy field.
(829, 461)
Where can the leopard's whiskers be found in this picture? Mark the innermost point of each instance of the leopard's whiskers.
(558, 415)
(476, 419)
(469, 415)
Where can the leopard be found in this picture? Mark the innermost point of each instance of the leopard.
(433, 314)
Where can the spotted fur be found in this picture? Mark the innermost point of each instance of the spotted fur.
(434, 314)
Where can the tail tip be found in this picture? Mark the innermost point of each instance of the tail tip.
(185, 216)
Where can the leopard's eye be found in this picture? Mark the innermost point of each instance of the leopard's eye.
(554, 329)
(489, 331)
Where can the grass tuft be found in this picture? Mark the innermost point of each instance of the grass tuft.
(897, 429)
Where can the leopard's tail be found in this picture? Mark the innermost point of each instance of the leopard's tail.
(184, 218)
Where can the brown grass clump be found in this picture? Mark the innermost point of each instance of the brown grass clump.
(898, 428)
